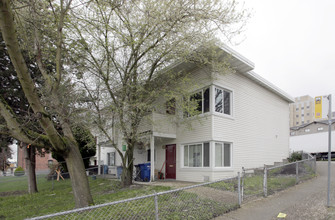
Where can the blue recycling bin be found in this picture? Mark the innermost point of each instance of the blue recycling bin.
(119, 171)
(145, 171)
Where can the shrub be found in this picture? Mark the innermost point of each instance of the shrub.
(19, 171)
(295, 156)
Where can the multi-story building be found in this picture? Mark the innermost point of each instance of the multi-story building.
(226, 135)
(306, 109)
(302, 111)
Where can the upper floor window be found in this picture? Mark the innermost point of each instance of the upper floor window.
(307, 130)
(111, 159)
(222, 101)
(292, 133)
(307, 106)
(302, 108)
(171, 106)
(320, 128)
(201, 100)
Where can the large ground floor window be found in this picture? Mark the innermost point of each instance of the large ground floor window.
(196, 155)
(208, 154)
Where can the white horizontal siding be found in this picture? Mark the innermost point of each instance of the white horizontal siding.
(259, 129)
(163, 123)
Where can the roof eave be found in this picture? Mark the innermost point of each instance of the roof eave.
(268, 85)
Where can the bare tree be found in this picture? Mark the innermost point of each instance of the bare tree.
(129, 48)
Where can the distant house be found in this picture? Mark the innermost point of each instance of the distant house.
(244, 122)
(312, 137)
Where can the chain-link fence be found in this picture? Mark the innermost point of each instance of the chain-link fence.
(270, 179)
(203, 201)
(281, 177)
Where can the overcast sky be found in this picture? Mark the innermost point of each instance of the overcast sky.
(292, 44)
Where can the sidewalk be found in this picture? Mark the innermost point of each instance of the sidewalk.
(304, 201)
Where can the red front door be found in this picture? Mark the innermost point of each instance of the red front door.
(170, 166)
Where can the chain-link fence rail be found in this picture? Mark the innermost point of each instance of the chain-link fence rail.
(203, 201)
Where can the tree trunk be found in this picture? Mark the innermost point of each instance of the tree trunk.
(30, 160)
(128, 165)
(127, 176)
(79, 180)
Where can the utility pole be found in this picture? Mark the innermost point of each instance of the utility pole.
(329, 145)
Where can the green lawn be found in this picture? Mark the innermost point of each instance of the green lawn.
(59, 197)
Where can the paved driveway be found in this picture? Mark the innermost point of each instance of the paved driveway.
(304, 201)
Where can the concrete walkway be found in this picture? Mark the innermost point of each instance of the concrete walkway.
(304, 201)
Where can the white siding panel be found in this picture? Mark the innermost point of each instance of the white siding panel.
(195, 130)
(259, 129)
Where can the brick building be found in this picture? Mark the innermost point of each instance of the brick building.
(43, 161)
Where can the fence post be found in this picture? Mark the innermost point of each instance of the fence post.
(265, 183)
(296, 172)
(156, 206)
(239, 187)
(242, 184)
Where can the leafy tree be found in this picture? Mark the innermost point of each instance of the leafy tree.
(43, 23)
(126, 50)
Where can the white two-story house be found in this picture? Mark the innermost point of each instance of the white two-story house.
(244, 122)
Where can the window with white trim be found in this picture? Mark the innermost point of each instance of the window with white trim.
(196, 155)
(222, 101)
(202, 100)
(223, 154)
(111, 159)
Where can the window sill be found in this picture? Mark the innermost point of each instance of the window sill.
(195, 169)
(224, 116)
(208, 114)
(225, 169)
(202, 115)
(207, 169)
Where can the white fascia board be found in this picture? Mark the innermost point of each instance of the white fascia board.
(245, 64)
(268, 85)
